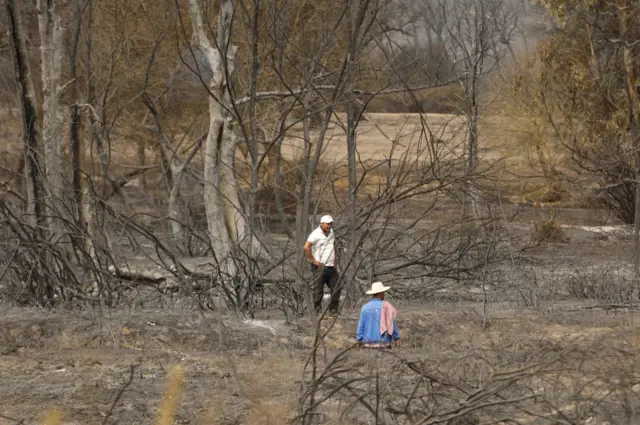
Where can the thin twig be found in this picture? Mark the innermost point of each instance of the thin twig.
(120, 393)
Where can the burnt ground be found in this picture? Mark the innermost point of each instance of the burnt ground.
(111, 366)
(81, 363)
(567, 297)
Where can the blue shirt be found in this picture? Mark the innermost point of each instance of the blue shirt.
(369, 324)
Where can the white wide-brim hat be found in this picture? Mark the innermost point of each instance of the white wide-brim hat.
(377, 287)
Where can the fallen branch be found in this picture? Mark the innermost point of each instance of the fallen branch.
(631, 305)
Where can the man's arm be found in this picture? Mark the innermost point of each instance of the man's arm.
(307, 251)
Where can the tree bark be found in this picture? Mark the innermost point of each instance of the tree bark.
(352, 123)
(75, 145)
(142, 160)
(354, 113)
(177, 167)
(32, 149)
(89, 213)
(51, 62)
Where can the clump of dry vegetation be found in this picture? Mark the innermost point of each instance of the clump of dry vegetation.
(607, 285)
(548, 230)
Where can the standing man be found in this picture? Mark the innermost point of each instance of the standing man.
(320, 248)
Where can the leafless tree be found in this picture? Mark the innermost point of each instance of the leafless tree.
(478, 34)
(34, 167)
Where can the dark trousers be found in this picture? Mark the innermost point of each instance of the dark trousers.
(328, 276)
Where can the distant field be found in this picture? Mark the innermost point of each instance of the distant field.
(383, 136)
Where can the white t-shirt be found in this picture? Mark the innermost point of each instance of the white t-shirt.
(323, 246)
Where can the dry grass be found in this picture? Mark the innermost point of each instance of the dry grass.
(171, 401)
(269, 413)
(53, 417)
(548, 230)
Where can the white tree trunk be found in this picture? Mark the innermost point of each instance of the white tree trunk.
(176, 167)
(220, 187)
(88, 212)
(51, 63)
(233, 211)
(214, 201)
(175, 210)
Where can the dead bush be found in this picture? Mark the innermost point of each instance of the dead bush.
(548, 230)
(464, 420)
(292, 174)
(441, 100)
(549, 193)
(608, 285)
(543, 287)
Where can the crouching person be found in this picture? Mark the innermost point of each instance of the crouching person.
(377, 327)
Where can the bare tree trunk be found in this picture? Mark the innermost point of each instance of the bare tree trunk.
(51, 61)
(548, 170)
(595, 64)
(254, 140)
(474, 56)
(303, 224)
(278, 181)
(75, 145)
(354, 113)
(96, 241)
(225, 216)
(142, 160)
(302, 219)
(89, 212)
(32, 150)
(94, 177)
(175, 208)
(176, 168)
(475, 70)
(98, 132)
(352, 122)
(472, 153)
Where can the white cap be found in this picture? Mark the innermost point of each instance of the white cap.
(377, 287)
(326, 219)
